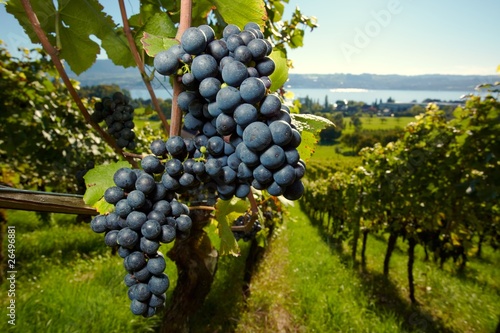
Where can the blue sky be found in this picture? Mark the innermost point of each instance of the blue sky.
(378, 36)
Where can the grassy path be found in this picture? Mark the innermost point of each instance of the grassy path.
(302, 287)
(305, 284)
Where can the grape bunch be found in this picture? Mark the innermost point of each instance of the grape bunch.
(244, 133)
(146, 214)
(242, 221)
(118, 115)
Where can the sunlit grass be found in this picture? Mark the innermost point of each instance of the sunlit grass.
(83, 296)
(302, 287)
(377, 123)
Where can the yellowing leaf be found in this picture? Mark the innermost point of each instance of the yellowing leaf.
(154, 44)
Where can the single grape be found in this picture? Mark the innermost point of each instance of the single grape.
(242, 54)
(229, 30)
(258, 48)
(257, 136)
(134, 261)
(135, 220)
(247, 156)
(123, 208)
(285, 176)
(252, 90)
(262, 174)
(234, 73)
(125, 178)
(174, 167)
(204, 66)
(228, 98)
(166, 62)
(273, 157)
(225, 124)
(110, 238)
(138, 307)
(151, 229)
(167, 233)
(156, 265)
(175, 146)
(281, 132)
(209, 88)
(193, 41)
(145, 182)
(98, 224)
(294, 191)
(265, 66)
(270, 106)
(184, 223)
(127, 238)
(136, 199)
(149, 246)
(159, 284)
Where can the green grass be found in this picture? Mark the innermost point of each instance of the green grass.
(449, 300)
(378, 123)
(302, 287)
(83, 296)
(307, 285)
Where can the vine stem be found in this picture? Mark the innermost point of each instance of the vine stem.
(253, 203)
(53, 53)
(140, 66)
(201, 208)
(184, 23)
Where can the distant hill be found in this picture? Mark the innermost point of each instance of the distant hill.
(105, 72)
(435, 82)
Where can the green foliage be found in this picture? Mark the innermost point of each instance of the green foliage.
(226, 212)
(97, 181)
(280, 74)
(368, 138)
(310, 127)
(69, 27)
(45, 139)
(440, 177)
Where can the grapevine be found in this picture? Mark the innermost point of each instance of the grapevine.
(243, 138)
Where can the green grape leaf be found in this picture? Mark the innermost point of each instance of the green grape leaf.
(309, 127)
(44, 10)
(117, 48)
(240, 12)
(69, 28)
(154, 44)
(79, 58)
(97, 181)
(280, 74)
(159, 24)
(226, 212)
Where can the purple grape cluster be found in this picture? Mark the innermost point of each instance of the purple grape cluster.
(244, 133)
(118, 115)
(146, 214)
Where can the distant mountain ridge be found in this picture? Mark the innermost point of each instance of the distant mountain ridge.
(105, 72)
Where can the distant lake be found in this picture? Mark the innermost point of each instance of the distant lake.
(350, 94)
(370, 96)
